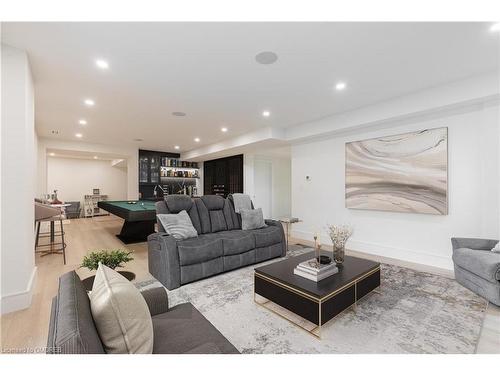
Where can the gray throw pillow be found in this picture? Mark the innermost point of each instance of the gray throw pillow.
(252, 219)
(496, 249)
(178, 225)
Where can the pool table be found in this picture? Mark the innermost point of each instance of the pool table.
(139, 216)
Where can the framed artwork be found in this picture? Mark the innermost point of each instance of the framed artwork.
(403, 173)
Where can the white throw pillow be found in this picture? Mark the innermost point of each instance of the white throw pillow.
(178, 225)
(496, 249)
(121, 314)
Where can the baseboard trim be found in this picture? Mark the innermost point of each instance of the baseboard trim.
(419, 261)
(20, 300)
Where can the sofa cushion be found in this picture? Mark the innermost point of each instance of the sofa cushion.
(72, 327)
(267, 236)
(173, 204)
(237, 242)
(177, 203)
(200, 249)
(121, 314)
(204, 216)
(178, 225)
(217, 221)
(213, 202)
(483, 263)
(252, 219)
(183, 329)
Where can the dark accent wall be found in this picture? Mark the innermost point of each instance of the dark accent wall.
(223, 176)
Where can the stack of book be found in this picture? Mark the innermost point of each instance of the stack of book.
(312, 270)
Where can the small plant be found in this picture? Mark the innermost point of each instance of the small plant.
(110, 258)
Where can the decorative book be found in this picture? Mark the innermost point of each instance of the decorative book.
(312, 270)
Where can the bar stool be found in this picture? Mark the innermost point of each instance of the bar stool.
(46, 213)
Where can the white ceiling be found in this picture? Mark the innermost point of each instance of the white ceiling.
(208, 70)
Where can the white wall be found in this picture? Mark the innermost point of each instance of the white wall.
(280, 193)
(74, 178)
(473, 147)
(130, 154)
(18, 142)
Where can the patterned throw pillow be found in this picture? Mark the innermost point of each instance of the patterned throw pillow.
(252, 219)
(178, 225)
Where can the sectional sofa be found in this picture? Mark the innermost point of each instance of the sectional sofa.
(221, 244)
(177, 330)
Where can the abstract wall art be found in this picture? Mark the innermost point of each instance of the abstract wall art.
(404, 173)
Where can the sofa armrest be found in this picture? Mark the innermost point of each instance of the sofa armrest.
(276, 223)
(473, 243)
(163, 260)
(156, 299)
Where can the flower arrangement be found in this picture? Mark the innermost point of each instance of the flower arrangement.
(339, 235)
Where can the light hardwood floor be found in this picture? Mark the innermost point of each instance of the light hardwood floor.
(29, 328)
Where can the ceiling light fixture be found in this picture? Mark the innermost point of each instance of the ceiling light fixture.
(95, 157)
(266, 57)
(197, 139)
(178, 114)
(82, 122)
(78, 135)
(102, 64)
(266, 113)
(176, 147)
(495, 27)
(89, 102)
(52, 154)
(223, 130)
(340, 86)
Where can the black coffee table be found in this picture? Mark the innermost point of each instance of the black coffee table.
(316, 302)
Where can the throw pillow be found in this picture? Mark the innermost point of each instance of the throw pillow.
(178, 225)
(252, 219)
(121, 314)
(496, 249)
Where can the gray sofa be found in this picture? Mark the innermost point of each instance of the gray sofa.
(177, 330)
(221, 245)
(477, 267)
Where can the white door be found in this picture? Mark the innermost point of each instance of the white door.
(263, 182)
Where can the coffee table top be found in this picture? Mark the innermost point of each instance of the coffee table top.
(282, 272)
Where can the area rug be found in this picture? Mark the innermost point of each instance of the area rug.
(415, 312)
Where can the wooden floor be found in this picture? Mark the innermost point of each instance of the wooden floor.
(28, 328)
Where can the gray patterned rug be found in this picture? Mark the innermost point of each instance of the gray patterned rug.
(416, 312)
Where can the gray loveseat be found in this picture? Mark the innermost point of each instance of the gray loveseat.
(477, 267)
(177, 330)
(221, 244)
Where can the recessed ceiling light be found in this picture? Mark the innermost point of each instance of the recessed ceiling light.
(197, 139)
(52, 154)
(178, 114)
(95, 157)
(266, 113)
(266, 57)
(89, 102)
(78, 135)
(102, 64)
(340, 86)
(176, 147)
(223, 130)
(495, 27)
(82, 122)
